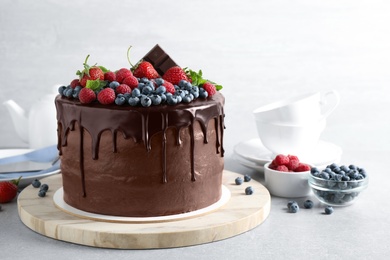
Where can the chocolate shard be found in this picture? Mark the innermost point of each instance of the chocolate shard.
(160, 60)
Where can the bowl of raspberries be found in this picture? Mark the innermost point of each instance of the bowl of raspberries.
(285, 176)
(338, 185)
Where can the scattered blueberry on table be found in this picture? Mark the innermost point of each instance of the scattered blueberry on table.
(249, 190)
(238, 181)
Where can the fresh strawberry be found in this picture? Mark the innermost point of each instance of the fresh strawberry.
(74, 83)
(106, 96)
(109, 76)
(210, 88)
(145, 70)
(122, 74)
(8, 190)
(123, 89)
(175, 74)
(302, 168)
(169, 87)
(90, 73)
(87, 95)
(131, 81)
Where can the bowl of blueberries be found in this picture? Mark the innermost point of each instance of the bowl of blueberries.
(338, 185)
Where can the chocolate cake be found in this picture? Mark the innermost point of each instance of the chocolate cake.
(141, 161)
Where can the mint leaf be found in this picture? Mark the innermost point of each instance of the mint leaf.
(95, 84)
(197, 78)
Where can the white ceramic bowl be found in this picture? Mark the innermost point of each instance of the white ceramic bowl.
(286, 184)
(299, 140)
(298, 110)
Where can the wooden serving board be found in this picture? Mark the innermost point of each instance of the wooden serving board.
(240, 214)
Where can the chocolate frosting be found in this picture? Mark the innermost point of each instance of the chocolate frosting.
(98, 139)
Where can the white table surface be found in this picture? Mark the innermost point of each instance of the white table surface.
(260, 51)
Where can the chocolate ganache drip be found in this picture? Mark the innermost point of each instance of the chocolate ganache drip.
(140, 124)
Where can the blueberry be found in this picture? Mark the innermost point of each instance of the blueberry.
(290, 203)
(187, 99)
(249, 190)
(328, 210)
(136, 92)
(156, 100)
(327, 170)
(308, 204)
(203, 93)
(344, 168)
(180, 92)
(345, 178)
(247, 178)
(146, 101)
(120, 100)
(338, 177)
(159, 81)
(342, 185)
(36, 183)
(314, 170)
(163, 98)
(179, 98)
(61, 90)
(294, 208)
(352, 167)
(238, 180)
(44, 187)
(113, 84)
(324, 175)
(171, 100)
(42, 193)
(161, 90)
(68, 92)
(134, 101)
(147, 90)
(182, 83)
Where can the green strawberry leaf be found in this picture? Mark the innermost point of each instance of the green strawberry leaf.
(95, 84)
(104, 69)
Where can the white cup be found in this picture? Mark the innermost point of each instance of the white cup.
(299, 140)
(310, 107)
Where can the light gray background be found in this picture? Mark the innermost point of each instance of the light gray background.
(260, 51)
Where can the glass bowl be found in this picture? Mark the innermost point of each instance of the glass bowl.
(337, 193)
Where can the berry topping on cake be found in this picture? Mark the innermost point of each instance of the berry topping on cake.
(210, 88)
(131, 81)
(74, 83)
(169, 87)
(90, 73)
(175, 74)
(123, 89)
(106, 96)
(122, 74)
(87, 96)
(146, 86)
(110, 76)
(145, 70)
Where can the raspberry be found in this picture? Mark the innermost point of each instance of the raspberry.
(302, 168)
(109, 76)
(131, 81)
(169, 87)
(210, 88)
(87, 95)
(75, 83)
(293, 162)
(282, 168)
(122, 74)
(123, 89)
(106, 96)
(281, 159)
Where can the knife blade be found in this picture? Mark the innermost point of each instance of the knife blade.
(26, 166)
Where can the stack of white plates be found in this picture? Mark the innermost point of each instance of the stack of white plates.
(253, 154)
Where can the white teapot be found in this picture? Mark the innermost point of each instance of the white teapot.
(39, 128)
